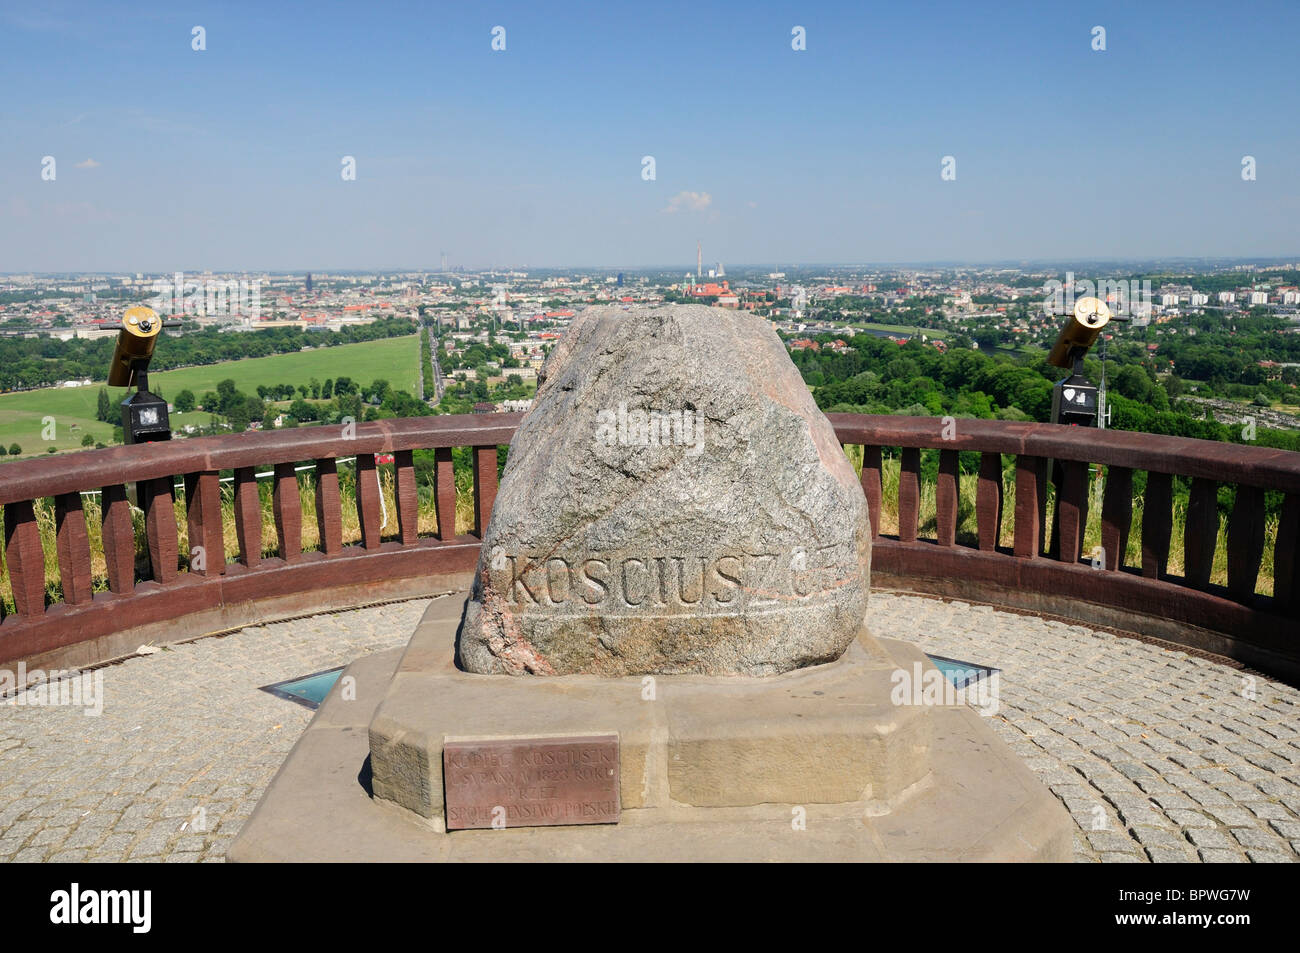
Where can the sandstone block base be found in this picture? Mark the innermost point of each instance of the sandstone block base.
(825, 734)
(712, 769)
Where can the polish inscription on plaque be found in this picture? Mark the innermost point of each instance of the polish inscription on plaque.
(531, 782)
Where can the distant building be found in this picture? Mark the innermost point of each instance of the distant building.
(309, 282)
(1227, 297)
(711, 289)
(485, 408)
(1259, 297)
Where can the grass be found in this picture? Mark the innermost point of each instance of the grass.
(931, 333)
(22, 414)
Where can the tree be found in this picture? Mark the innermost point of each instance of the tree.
(327, 389)
(315, 389)
(15, 450)
(349, 405)
(210, 402)
(185, 401)
(104, 411)
(226, 396)
(239, 417)
(302, 411)
(50, 450)
(87, 441)
(304, 390)
(4, 451)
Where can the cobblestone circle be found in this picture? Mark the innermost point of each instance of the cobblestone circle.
(1158, 756)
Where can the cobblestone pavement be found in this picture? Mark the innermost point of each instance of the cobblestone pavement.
(1158, 755)
(182, 729)
(1162, 750)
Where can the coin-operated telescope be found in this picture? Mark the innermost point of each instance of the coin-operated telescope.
(144, 415)
(1074, 400)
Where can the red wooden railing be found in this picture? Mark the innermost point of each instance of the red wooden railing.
(1231, 620)
(215, 594)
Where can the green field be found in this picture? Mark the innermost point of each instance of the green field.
(395, 360)
(931, 333)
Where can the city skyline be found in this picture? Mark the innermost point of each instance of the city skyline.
(229, 158)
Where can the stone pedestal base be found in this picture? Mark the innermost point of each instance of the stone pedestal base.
(812, 765)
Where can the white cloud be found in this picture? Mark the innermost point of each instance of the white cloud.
(690, 201)
(87, 164)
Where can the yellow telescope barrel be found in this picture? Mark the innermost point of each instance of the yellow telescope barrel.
(1081, 330)
(140, 327)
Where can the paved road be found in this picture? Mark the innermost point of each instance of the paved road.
(1160, 750)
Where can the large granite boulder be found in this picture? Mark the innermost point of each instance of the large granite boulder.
(673, 503)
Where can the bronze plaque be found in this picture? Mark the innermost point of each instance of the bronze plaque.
(531, 782)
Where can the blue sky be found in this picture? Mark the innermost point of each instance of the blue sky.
(230, 158)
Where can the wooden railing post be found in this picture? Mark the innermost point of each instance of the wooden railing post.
(485, 487)
(946, 491)
(1030, 479)
(160, 527)
(329, 509)
(73, 546)
(119, 539)
(286, 505)
(1157, 524)
(408, 496)
(1116, 516)
(248, 517)
(445, 493)
(1072, 509)
(872, 486)
(988, 501)
(203, 520)
(368, 500)
(1245, 542)
(25, 559)
(1286, 556)
(1201, 532)
(909, 494)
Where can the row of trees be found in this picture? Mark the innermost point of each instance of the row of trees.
(350, 399)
